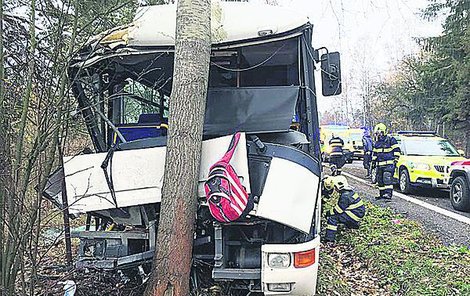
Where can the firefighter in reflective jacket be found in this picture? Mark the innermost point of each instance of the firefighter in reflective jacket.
(336, 155)
(384, 157)
(349, 209)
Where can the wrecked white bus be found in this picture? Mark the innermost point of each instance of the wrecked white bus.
(261, 83)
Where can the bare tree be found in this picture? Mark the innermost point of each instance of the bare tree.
(35, 104)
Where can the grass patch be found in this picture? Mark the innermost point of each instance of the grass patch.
(405, 258)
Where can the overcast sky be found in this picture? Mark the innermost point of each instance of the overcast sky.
(379, 32)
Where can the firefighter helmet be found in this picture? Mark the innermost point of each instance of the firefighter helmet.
(380, 128)
(337, 182)
(340, 183)
(328, 183)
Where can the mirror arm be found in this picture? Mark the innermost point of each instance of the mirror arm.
(317, 53)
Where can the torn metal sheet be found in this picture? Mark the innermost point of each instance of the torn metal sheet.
(289, 198)
(138, 175)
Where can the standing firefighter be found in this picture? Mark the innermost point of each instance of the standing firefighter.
(349, 209)
(384, 157)
(368, 147)
(337, 159)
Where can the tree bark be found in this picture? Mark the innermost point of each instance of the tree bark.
(4, 163)
(172, 261)
(12, 203)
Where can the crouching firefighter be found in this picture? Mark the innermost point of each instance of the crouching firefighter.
(337, 158)
(349, 210)
(384, 157)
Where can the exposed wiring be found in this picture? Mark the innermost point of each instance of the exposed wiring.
(252, 67)
(314, 60)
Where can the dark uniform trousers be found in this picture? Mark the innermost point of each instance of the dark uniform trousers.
(385, 180)
(368, 147)
(386, 151)
(367, 161)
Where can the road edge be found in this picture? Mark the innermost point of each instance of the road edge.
(421, 203)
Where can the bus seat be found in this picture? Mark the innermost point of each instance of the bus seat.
(148, 126)
(149, 118)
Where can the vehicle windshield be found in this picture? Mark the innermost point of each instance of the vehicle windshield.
(356, 137)
(252, 88)
(429, 147)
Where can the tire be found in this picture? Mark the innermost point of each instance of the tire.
(460, 194)
(404, 184)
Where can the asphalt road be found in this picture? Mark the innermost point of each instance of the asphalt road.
(451, 229)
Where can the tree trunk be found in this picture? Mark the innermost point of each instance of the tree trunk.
(4, 163)
(172, 261)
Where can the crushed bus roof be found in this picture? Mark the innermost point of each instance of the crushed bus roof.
(155, 25)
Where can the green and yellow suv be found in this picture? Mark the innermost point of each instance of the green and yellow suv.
(424, 161)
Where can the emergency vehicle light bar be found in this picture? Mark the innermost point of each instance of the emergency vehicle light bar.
(417, 133)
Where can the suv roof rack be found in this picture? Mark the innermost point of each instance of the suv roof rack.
(417, 133)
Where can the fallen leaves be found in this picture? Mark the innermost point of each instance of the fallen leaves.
(352, 275)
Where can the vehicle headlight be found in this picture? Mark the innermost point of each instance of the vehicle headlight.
(279, 260)
(420, 166)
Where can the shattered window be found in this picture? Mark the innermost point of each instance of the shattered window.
(221, 73)
(268, 64)
(139, 99)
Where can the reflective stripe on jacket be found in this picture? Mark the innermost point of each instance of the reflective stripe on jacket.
(336, 145)
(386, 150)
(351, 204)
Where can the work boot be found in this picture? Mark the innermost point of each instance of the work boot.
(353, 226)
(387, 198)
